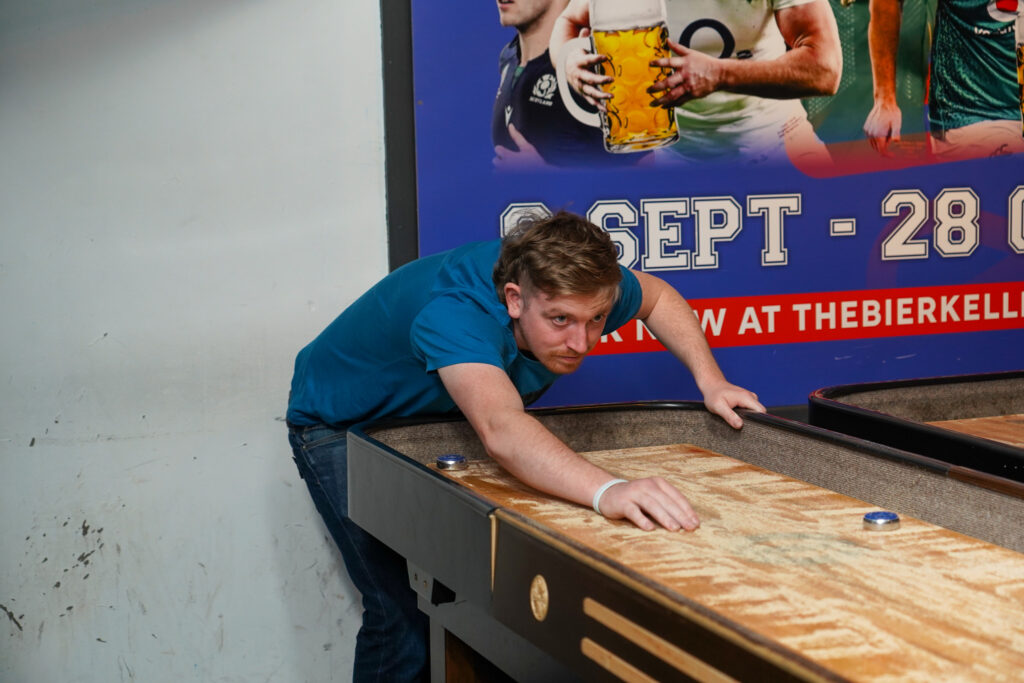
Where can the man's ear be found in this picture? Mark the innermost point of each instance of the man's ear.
(513, 300)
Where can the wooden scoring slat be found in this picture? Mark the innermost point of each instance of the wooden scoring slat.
(792, 562)
(1008, 429)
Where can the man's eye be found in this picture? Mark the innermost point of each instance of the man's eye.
(559, 319)
(599, 317)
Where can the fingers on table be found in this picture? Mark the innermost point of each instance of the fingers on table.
(654, 501)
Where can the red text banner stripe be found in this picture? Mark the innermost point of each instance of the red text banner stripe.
(831, 316)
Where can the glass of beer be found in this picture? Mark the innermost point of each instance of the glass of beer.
(630, 34)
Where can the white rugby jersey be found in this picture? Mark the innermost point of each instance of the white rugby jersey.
(724, 124)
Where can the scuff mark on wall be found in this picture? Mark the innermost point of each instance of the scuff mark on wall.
(125, 669)
(10, 615)
(57, 596)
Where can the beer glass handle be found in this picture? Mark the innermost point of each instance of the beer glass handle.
(581, 115)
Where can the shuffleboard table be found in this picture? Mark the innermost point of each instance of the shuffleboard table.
(973, 423)
(782, 581)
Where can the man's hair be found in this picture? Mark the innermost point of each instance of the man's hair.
(559, 255)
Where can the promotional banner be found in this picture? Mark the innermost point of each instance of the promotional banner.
(837, 190)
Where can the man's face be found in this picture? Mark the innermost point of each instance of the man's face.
(519, 13)
(558, 330)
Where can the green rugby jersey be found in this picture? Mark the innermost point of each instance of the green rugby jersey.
(973, 70)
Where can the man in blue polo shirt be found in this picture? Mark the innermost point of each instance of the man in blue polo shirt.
(483, 329)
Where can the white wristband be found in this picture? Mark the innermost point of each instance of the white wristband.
(600, 492)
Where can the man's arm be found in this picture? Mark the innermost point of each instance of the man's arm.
(573, 19)
(667, 314)
(525, 156)
(574, 22)
(883, 123)
(535, 456)
(811, 66)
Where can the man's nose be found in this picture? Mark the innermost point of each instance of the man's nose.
(577, 339)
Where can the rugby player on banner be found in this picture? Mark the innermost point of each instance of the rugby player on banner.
(738, 71)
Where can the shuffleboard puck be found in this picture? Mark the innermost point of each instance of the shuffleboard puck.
(451, 461)
(881, 521)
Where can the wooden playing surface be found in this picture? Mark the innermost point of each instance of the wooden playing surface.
(1008, 429)
(791, 562)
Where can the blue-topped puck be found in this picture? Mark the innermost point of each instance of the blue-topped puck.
(451, 461)
(881, 521)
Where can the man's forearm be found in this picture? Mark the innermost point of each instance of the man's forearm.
(523, 446)
(812, 64)
(673, 322)
(883, 44)
(802, 72)
(676, 326)
(567, 26)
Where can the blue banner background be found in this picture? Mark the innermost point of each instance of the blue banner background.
(461, 198)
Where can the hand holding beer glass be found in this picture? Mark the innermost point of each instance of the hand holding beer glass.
(625, 37)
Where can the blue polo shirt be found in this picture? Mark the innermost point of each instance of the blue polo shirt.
(380, 356)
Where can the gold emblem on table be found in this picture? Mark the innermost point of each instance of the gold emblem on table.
(539, 597)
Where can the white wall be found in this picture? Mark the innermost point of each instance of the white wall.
(189, 191)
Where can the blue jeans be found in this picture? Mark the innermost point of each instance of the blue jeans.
(392, 642)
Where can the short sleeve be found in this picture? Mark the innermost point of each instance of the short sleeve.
(453, 329)
(626, 308)
(783, 4)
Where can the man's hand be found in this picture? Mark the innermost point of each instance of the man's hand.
(582, 76)
(527, 156)
(694, 75)
(722, 397)
(644, 500)
(574, 22)
(882, 126)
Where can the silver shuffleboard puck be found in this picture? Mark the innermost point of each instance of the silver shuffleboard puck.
(881, 521)
(451, 461)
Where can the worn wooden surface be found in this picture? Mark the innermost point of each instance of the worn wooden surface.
(792, 562)
(1008, 429)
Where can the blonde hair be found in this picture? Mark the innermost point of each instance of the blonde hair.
(560, 254)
